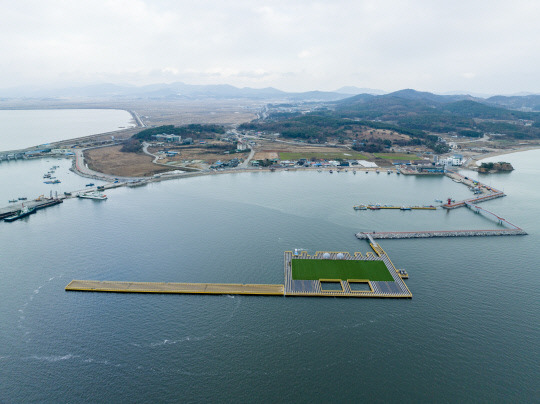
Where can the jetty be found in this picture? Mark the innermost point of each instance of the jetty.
(37, 204)
(440, 233)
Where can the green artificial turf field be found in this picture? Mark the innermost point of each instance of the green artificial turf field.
(314, 269)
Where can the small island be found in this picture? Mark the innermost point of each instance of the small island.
(501, 166)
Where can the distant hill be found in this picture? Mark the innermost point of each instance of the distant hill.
(176, 90)
(356, 90)
(524, 102)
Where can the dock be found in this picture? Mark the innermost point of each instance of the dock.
(41, 204)
(181, 288)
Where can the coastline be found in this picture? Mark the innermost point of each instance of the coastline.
(481, 157)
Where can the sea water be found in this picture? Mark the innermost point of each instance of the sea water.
(470, 333)
(25, 128)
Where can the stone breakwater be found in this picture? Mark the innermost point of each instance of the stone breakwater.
(441, 233)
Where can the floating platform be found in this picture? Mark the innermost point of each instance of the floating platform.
(391, 285)
(354, 276)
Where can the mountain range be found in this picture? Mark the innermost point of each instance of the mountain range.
(183, 91)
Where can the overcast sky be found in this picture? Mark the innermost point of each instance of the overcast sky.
(294, 45)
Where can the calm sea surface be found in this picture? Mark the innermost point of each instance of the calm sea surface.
(470, 333)
(25, 128)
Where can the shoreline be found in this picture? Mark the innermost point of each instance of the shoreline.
(484, 156)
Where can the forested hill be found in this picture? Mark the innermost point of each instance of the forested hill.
(417, 114)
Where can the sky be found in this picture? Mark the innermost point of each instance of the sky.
(475, 46)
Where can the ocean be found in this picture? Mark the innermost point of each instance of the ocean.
(469, 334)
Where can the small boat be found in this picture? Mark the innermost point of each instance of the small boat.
(354, 172)
(367, 172)
(405, 208)
(331, 171)
(90, 185)
(13, 201)
(23, 198)
(360, 207)
(438, 200)
(25, 211)
(93, 195)
(377, 171)
(397, 172)
(388, 171)
(374, 207)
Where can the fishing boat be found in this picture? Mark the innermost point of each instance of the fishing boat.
(90, 185)
(360, 207)
(13, 201)
(405, 208)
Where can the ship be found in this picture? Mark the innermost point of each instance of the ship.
(93, 195)
(360, 207)
(405, 208)
(25, 211)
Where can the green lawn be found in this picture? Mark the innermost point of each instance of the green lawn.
(313, 269)
(321, 155)
(397, 156)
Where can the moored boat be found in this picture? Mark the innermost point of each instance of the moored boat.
(93, 195)
(25, 211)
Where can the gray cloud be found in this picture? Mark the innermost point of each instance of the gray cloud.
(481, 46)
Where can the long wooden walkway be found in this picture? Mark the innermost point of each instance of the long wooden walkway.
(163, 287)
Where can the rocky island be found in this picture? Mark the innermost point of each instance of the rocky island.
(501, 166)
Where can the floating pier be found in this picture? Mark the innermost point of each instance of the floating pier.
(371, 276)
(183, 288)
